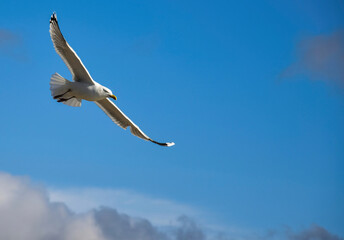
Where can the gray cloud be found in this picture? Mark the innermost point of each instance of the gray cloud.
(319, 58)
(11, 45)
(122, 227)
(8, 38)
(26, 213)
(315, 232)
(188, 230)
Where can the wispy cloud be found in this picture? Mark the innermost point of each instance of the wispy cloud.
(8, 38)
(11, 45)
(146, 45)
(319, 58)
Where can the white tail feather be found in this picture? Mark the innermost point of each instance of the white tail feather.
(60, 90)
(58, 84)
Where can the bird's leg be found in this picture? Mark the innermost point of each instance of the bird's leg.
(65, 99)
(58, 96)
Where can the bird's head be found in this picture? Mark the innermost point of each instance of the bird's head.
(108, 93)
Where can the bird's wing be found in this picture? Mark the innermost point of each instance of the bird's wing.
(70, 58)
(118, 117)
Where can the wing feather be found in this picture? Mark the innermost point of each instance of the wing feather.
(118, 117)
(70, 58)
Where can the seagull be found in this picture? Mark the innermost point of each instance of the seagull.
(84, 87)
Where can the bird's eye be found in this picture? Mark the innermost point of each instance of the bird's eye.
(105, 90)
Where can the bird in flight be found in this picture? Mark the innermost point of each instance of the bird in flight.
(84, 87)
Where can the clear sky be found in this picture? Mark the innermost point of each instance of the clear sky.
(251, 92)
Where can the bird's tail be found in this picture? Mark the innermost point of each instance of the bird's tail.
(58, 84)
(60, 90)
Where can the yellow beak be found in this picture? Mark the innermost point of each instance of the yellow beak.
(114, 97)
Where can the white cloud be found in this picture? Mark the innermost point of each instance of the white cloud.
(26, 213)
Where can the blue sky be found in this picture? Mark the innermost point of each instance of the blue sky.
(255, 148)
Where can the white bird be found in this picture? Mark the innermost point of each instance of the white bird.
(84, 87)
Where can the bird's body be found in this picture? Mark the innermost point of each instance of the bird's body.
(83, 87)
(85, 91)
(89, 92)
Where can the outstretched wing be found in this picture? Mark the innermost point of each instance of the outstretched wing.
(118, 117)
(70, 58)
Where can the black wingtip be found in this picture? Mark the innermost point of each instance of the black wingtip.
(163, 144)
(53, 17)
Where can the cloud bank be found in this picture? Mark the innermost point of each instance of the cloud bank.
(320, 58)
(27, 213)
